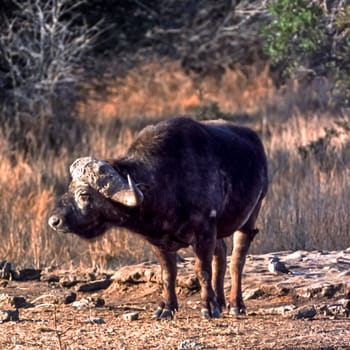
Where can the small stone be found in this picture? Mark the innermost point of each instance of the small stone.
(5, 270)
(13, 301)
(9, 315)
(304, 312)
(253, 293)
(329, 290)
(69, 297)
(190, 283)
(189, 344)
(344, 302)
(344, 273)
(19, 302)
(99, 302)
(68, 283)
(82, 303)
(50, 278)
(51, 268)
(27, 275)
(88, 302)
(149, 274)
(94, 286)
(131, 316)
(276, 310)
(297, 255)
(97, 320)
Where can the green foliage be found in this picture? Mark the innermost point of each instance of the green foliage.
(340, 65)
(294, 32)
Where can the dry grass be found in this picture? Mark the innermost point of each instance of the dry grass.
(307, 205)
(158, 90)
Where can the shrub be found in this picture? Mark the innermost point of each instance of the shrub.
(42, 47)
(294, 33)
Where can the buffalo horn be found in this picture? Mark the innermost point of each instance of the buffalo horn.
(131, 197)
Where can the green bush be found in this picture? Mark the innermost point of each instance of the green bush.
(294, 33)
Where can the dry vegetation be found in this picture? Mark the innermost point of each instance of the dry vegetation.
(307, 205)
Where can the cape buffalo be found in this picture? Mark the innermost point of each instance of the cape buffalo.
(181, 183)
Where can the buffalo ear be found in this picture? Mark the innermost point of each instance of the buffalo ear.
(131, 197)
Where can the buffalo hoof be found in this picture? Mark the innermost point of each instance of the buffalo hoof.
(206, 313)
(236, 311)
(163, 314)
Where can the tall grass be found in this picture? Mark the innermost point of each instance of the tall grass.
(307, 204)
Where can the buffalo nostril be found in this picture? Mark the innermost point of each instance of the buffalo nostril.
(55, 222)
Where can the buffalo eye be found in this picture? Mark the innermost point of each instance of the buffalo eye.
(84, 198)
(102, 169)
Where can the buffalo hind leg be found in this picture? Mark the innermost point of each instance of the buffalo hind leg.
(241, 242)
(167, 260)
(219, 270)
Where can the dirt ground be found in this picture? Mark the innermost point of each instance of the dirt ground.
(54, 325)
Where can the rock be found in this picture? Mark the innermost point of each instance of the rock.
(149, 275)
(69, 297)
(345, 302)
(304, 312)
(82, 303)
(328, 291)
(27, 275)
(88, 302)
(51, 268)
(9, 315)
(344, 273)
(70, 280)
(346, 251)
(131, 316)
(20, 302)
(189, 282)
(189, 344)
(93, 286)
(14, 301)
(3, 284)
(5, 270)
(50, 278)
(309, 290)
(68, 283)
(277, 310)
(99, 302)
(133, 274)
(340, 308)
(96, 320)
(298, 255)
(253, 293)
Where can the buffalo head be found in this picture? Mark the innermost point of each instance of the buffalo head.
(91, 204)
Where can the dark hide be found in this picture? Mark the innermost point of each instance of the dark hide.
(201, 182)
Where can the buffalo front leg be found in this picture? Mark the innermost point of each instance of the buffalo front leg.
(169, 305)
(204, 251)
(219, 270)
